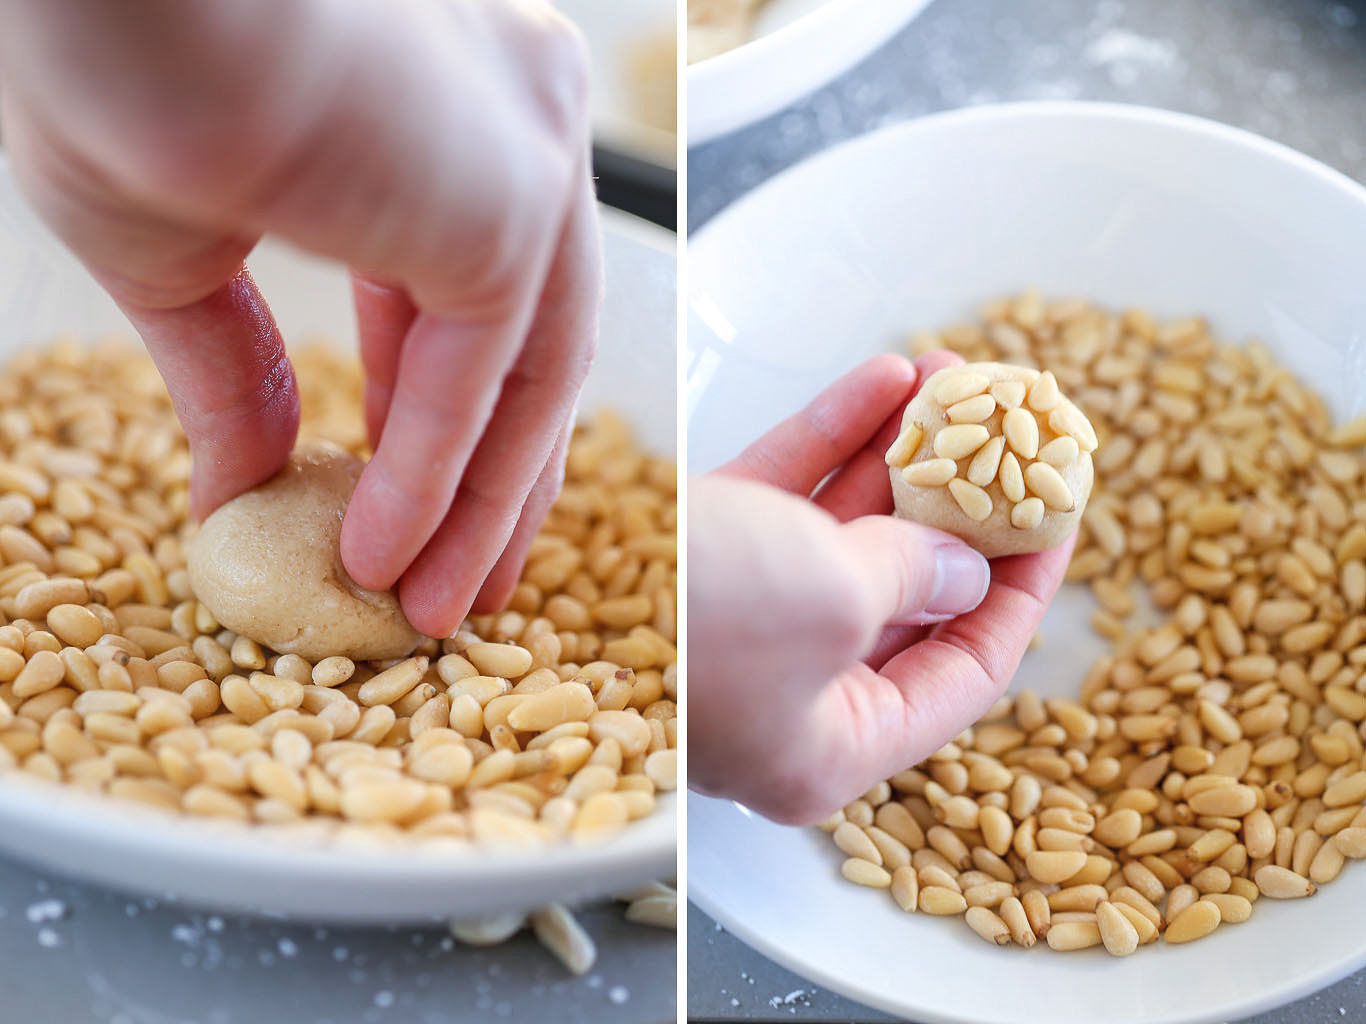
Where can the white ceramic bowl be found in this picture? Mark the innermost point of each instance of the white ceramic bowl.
(44, 293)
(842, 257)
(617, 33)
(798, 46)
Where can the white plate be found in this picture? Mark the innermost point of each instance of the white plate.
(840, 258)
(45, 293)
(617, 33)
(798, 46)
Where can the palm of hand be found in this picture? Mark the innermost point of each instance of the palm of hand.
(914, 686)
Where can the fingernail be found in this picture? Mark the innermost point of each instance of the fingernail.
(961, 580)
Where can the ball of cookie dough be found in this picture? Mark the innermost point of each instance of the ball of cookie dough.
(995, 454)
(268, 566)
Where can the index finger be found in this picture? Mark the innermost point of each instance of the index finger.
(860, 487)
(800, 452)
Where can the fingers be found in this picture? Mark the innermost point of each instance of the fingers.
(799, 452)
(913, 574)
(536, 403)
(384, 315)
(497, 589)
(932, 362)
(232, 385)
(861, 486)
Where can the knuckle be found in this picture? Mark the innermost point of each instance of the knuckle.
(561, 55)
(514, 232)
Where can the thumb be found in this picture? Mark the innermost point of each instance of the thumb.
(915, 574)
(232, 385)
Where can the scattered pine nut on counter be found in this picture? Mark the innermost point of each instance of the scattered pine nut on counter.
(554, 720)
(1208, 761)
(654, 905)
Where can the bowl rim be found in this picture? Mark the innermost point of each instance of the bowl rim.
(1063, 110)
(830, 10)
(711, 74)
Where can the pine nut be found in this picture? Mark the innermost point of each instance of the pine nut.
(505, 660)
(1021, 432)
(1066, 936)
(1117, 933)
(1144, 928)
(988, 925)
(1027, 514)
(1046, 483)
(1012, 912)
(1054, 866)
(986, 463)
(904, 448)
(988, 894)
(971, 410)
(1351, 790)
(557, 930)
(1195, 922)
(905, 886)
(1060, 452)
(960, 440)
(975, 502)
(1012, 478)
(1009, 394)
(74, 624)
(621, 612)
(1281, 883)
(1066, 419)
(930, 472)
(43, 672)
(939, 901)
(1037, 912)
(393, 683)
(1228, 801)
(1043, 393)
(855, 843)
(959, 386)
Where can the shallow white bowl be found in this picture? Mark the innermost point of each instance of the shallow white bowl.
(45, 293)
(841, 258)
(798, 46)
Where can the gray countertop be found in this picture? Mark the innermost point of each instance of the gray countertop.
(72, 954)
(1292, 70)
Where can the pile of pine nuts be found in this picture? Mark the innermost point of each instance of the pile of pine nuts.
(552, 720)
(1208, 761)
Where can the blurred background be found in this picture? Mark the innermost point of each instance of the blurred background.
(635, 102)
(1292, 70)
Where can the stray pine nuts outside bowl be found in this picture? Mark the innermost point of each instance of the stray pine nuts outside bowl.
(1107, 245)
(510, 767)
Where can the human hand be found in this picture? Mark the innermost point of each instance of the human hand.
(830, 645)
(438, 147)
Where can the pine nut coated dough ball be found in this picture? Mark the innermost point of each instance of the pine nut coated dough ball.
(268, 566)
(994, 454)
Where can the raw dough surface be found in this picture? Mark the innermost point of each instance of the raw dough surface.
(268, 566)
(936, 506)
